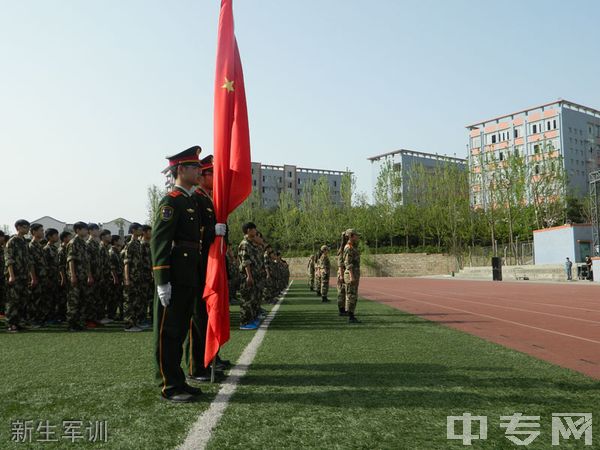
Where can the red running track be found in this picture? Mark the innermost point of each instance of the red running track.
(559, 323)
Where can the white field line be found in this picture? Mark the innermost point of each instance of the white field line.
(202, 429)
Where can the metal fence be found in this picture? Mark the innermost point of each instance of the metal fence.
(517, 254)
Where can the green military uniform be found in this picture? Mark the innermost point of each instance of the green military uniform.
(195, 343)
(351, 265)
(18, 295)
(325, 268)
(39, 309)
(96, 294)
(134, 293)
(78, 307)
(176, 258)
(248, 255)
(51, 286)
(115, 300)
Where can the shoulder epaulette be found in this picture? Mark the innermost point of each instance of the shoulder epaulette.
(175, 194)
(201, 192)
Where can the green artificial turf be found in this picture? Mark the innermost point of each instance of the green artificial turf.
(390, 382)
(317, 382)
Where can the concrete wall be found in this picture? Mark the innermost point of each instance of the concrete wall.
(396, 265)
(554, 245)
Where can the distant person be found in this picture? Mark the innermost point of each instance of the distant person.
(352, 273)
(588, 263)
(568, 269)
(325, 266)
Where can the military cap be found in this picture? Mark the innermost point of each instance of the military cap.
(188, 157)
(206, 163)
(352, 231)
(324, 247)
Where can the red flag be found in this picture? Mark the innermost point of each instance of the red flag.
(232, 173)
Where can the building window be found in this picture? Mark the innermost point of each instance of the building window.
(501, 156)
(517, 152)
(335, 184)
(263, 189)
(263, 178)
(548, 126)
(516, 133)
(298, 191)
(536, 148)
(554, 123)
(534, 127)
(290, 174)
(537, 169)
(493, 138)
(254, 182)
(290, 185)
(280, 179)
(252, 171)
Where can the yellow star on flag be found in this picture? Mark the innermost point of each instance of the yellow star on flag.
(228, 85)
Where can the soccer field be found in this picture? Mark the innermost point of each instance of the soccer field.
(316, 382)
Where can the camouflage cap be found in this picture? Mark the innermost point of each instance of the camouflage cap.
(352, 231)
(324, 247)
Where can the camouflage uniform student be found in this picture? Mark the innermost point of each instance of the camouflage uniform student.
(147, 278)
(260, 243)
(51, 285)
(325, 266)
(318, 273)
(3, 239)
(351, 273)
(107, 280)
(133, 279)
(20, 277)
(115, 300)
(80, 279)
(63, 269)
(96, 294)
(249, 270)
(341, 286)
(39, 303)
(233, 275)
(311, 272)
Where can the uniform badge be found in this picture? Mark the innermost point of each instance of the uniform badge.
(190, 210)
(166, 213)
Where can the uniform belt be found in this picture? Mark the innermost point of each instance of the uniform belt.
(188, 244)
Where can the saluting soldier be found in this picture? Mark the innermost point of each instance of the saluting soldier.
(20, 277)
(352, 273)
(177, 265)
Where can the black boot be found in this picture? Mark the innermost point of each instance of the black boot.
(352, 319)
(324, 299)
(343, 312)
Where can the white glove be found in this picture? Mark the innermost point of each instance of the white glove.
(220, 229)
(164, 293)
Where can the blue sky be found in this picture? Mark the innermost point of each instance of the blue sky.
(94, 94)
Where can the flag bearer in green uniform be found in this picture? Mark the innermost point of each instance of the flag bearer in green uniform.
(177, 261)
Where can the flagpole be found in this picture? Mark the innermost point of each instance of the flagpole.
(213, 367)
